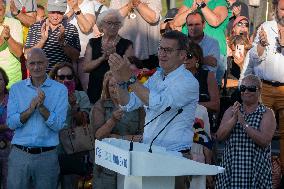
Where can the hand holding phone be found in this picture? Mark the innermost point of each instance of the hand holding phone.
(70, 86)
(239, 51)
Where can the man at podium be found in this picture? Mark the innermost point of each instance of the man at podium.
(169, 97)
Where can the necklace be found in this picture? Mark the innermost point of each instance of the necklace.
(110, 44)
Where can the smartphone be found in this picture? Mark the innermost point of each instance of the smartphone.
(239, 50)
(70, 86)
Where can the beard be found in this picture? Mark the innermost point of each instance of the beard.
(279, 20)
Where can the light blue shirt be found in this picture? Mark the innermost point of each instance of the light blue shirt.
(179, 89)
(210, 47)
(37, 132)
(268, 66)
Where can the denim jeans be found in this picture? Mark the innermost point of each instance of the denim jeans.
(27, 170)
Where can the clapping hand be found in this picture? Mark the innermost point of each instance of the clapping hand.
(13, 8)
(281, 37)
(5, 32)
(44, 30)
(120, 67)
(61, 35)
(73, 4)
(235, 111)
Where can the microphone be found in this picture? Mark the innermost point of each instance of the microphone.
(167, 109)
(178, 112)
(131, 142)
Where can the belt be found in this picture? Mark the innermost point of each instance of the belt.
(36, 150)
(185, 151)
(273, 83)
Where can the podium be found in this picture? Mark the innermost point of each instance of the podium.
(139, 169)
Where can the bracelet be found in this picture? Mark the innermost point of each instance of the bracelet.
(125, 85)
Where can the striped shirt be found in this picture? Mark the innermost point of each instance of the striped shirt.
(52, 49)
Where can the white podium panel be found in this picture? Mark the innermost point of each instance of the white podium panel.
(140, 169)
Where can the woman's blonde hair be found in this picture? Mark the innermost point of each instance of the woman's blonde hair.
(105, 90)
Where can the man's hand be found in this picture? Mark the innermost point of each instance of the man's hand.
(13, 8)
(73, 4)
(33, 104)
(281, 37)
(61, 35)
(120, 67)
(5, 32)
(44, 31)
(263, 38)
(40, 97)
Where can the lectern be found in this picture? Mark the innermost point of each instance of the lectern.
(139, 169)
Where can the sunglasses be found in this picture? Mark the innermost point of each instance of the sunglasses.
(243, 24)
(251, 88)
(189, 55)
(63, 77)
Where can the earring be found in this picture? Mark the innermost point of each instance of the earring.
(197, 65)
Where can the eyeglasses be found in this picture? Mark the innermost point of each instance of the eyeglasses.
(63, 77)
(251, 88)
(240, 24)
(39, 63)
(115, 24)
(167, 50)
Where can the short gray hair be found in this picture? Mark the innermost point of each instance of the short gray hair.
(254, 79)
(106, 13)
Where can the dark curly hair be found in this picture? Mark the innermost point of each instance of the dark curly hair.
(6, 79)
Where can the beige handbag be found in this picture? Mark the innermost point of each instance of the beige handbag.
(77, 138)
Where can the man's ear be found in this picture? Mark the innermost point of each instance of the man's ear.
(183, 55)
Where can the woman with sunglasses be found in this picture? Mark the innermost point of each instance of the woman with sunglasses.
(78, 111)
(247, 130)
(98, 50)
(208, 88)
(238, 47)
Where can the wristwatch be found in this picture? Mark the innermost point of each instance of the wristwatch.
(18, 12)
(201, 5)
(78, 12)
(132, 80)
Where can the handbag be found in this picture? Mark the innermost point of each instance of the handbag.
(78, 163)
(77, 138)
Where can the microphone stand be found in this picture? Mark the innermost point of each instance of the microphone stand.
(179, 112)
(131, 142)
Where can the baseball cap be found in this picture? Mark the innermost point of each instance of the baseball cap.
(57, 5)
(238, 19)
(170, 14)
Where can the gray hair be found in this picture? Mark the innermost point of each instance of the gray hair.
(254, 79)
(104, 14)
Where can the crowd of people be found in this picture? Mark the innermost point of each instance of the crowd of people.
(132, 75)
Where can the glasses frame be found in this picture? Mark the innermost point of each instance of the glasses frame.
(167, 50)
(112, 24)
(250, 88)
(63, 77)
(240, 24)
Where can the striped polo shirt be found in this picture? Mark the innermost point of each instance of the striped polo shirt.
(52, 49)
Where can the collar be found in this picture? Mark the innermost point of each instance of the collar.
(46, 83)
